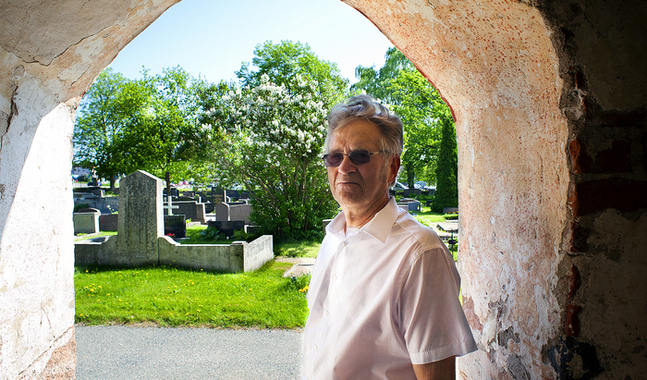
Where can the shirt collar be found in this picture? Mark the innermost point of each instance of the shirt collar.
(379, 227)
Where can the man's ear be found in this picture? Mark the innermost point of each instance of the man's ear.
(394, 167)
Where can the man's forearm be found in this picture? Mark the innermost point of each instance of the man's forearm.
(441, 370)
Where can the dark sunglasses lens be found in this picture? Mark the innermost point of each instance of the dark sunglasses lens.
(333, 159)
(359, 157)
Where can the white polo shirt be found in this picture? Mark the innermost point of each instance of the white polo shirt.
(382, 299)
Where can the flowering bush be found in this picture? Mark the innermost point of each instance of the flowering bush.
(271, 139)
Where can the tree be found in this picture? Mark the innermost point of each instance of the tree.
(150, 124)
(283, 62)
(270, 137)
(170, 140)
(418, 104)
(106, 113)
(447, 171)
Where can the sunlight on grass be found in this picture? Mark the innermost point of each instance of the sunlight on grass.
(173, 297)
(297, 249)
(80, 237)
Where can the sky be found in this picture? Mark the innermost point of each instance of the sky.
(211, 38)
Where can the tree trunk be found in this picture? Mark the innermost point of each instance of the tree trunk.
(167, 178)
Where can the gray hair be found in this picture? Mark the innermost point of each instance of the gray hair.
(365, 108)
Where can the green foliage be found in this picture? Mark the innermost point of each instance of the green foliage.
(80, 206)
(151, 124)
(173, 297)
(270, 137)
(419, 105)
(104, 116)
(283, 62)
(451, 216)
(210, 233)
(447, 171)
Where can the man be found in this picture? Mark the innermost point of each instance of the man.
(383, 297)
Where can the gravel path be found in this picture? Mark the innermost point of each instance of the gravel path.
(123, 353)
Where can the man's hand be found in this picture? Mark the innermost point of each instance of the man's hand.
(441, 370)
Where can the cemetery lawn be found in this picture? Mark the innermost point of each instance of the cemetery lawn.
(166, 296)
(429, 218)
(92, 236)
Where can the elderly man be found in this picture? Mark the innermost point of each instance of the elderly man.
(383, 297)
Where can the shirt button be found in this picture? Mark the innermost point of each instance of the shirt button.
(334, 277)
(344, 244)
(326, 312)
(314, 348)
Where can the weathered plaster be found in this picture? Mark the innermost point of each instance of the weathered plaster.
(36, 257)
(50, 52)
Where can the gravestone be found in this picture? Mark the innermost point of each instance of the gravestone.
(175, 226)
(232, 194)
(409, 204)
(233, 211)
(227, 227)
(192, 209)
(109, 222)
(141, 220)
(174, 192)
(90, 209)
(86, 222)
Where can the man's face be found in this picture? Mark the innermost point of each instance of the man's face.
(359, 188)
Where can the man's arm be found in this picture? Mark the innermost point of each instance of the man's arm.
(441, 370)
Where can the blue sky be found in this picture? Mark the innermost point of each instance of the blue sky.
(212, 38)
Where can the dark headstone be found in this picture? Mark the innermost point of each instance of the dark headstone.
(89, 209)
(175, 225)
(227, 227)
(174, 192)
(99, 192)
(184, 199)
(109, 222)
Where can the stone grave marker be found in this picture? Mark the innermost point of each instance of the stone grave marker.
(175, 226)
(233, 211)
(141, 219)
(86, 222)
(227, 227)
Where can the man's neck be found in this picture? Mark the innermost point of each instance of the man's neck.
(359, 219)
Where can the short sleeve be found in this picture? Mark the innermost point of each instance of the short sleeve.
(433, 323)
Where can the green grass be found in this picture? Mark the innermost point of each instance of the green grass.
(429, 218)
(173, 297)
(79, 237)
(297, 249)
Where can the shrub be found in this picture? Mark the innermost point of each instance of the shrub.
(81, 206)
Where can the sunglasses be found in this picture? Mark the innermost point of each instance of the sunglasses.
(357, 157)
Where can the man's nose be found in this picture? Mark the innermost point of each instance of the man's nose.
(347, 166)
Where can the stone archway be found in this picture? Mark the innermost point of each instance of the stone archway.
(529, 84)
